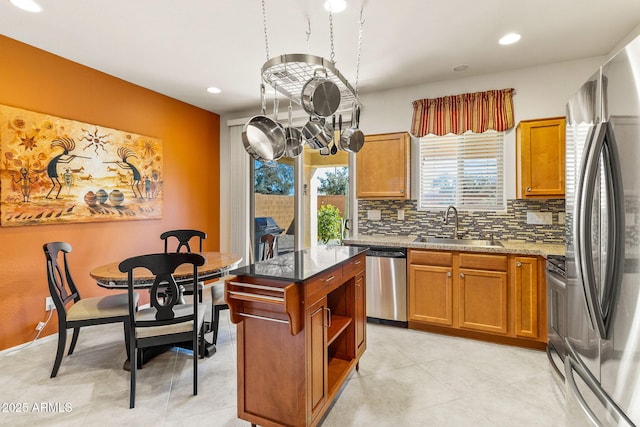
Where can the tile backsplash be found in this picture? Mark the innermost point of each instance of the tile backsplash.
(511, 224)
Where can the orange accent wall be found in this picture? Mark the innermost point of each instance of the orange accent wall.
(36, 80)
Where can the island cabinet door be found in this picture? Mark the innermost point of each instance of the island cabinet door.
(361, 314)
(317, 363)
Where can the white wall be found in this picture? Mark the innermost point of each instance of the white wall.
(539, 92)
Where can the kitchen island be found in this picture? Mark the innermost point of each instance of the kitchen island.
(301, 331)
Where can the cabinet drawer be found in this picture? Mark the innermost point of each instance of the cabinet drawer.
(441, 259)
(322, 283)
(483, 262)
(353, 266)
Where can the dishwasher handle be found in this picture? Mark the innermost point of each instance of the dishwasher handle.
(387, 253)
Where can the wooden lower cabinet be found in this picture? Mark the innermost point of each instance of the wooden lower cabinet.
(431, 290)
(483, 300)
(525, 286)
(297, 342)
(486, 296)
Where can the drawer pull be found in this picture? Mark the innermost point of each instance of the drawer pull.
(256, 297)
(330, 278)
(357, 262)
(261, 287)
(255, 316)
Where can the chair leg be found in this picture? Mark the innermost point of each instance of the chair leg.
(74, 339)
(133, 364)
(196, 340)
(62, 342)
(215, 323)
(127, 344)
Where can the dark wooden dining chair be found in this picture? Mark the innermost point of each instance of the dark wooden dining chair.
(165, 321)
(182, 240)
(75, 312)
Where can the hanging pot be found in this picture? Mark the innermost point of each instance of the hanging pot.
(263, 138)
(320, 96)
(352, 139)
(318, 133)
(295, 142)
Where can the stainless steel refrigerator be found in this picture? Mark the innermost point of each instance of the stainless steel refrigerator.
(602, 361)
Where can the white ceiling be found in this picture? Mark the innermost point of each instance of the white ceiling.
(179, 48)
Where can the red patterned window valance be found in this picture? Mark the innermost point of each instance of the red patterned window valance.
(457, 114)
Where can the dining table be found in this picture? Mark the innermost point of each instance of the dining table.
(216, 265)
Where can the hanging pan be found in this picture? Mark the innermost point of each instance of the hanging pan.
(264, 138)
(295, 142)
(318, 133)
(320, 96)
(352, 139)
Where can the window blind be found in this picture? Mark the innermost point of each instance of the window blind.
(466, 171)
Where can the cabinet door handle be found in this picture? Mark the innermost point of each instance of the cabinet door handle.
(528, 188)
(328, 317)
(448, 274)
(518, 264)
(401, 191)
(462, 275)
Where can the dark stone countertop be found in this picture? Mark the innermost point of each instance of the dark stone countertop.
(300, 265)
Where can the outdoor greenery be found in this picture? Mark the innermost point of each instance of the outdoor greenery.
(334, 183)
(329, 221)
(270, 179)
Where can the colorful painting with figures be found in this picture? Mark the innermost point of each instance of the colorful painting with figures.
(56, 170)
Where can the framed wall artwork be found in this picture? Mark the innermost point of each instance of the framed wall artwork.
(56, 170)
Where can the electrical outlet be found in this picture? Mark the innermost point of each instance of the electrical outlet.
(373, 214)
(40, 326)
(48, 304)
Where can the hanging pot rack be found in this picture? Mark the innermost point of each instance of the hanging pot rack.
(289, 72)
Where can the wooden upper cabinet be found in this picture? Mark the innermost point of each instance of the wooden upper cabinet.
(383, 167)
(540, 158)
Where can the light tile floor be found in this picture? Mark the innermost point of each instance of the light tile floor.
(406, 378)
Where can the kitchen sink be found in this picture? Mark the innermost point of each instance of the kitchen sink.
(461, 242)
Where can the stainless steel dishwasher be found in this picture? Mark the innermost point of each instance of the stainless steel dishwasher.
(387, 285)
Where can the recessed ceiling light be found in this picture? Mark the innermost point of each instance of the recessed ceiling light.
(28, 5)
(461, 67)
(335, 6)
(509, 38)
(213, 90)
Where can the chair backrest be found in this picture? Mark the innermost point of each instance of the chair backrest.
(268, 244)
(61, 285)
(183, 237)
(163, 267)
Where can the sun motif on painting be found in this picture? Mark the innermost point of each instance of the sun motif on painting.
(95, 140)
(29, 142)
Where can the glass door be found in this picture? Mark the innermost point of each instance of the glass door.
(273, 207)
(313, 187)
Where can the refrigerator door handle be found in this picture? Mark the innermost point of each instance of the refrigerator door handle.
(582, 225)
(614, 267)
(602, 147)
(574, 364)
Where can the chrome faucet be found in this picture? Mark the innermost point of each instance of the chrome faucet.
(455, 216)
